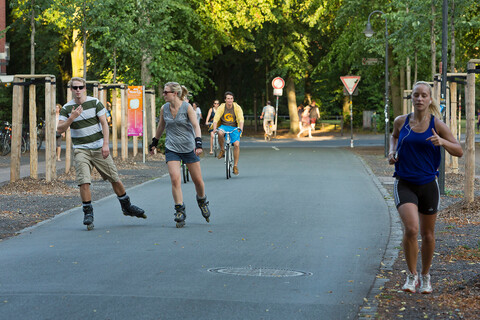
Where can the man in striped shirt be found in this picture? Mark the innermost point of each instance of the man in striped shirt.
(86, 118)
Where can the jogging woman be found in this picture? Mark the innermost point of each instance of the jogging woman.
(183, 143)
(415, 150)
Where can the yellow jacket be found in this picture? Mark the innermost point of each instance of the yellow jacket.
(236, 109)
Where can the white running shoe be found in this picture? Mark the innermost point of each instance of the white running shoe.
(425, 285)
(412, 283)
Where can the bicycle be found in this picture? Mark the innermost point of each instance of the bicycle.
(229, 153)
(40, 133)
(185, 173)
(7, 139)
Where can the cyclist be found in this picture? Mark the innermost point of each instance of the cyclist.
(229, 115)
(86, 118)
(209, 122)
(268, 116)
(183, 142)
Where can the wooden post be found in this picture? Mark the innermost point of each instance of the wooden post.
(470, 133)
(68, 139)
(436, 88)
(32, 112)
(114, 124)
(54, 107)
(135, 145)
(459, 131)
(153, 120)
(124, 136)
(49, 132)
(95, 89)
(453, 122)
(447, 120)
(17, 114)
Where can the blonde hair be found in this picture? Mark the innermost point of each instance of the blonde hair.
(433, 108)
(181, 91)
(78, 79)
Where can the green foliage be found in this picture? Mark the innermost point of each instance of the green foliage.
(216, 45)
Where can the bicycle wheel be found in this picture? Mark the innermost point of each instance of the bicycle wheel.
(184, 172)
(227, 161)
(188, 173)
(215, 145)
(24, 145)
(39, 138)
(6, 145)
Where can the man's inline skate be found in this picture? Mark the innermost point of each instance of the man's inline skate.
(131, 210)
(88, 217)
(180, 215)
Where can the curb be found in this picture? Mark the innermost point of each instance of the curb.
(369, 308)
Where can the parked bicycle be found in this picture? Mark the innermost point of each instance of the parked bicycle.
(40, 133)
(6, 139)
(229, 153)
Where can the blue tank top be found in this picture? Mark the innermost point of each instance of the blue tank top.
(418, 158)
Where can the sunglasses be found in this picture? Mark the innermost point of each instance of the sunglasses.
(78, 87)
(167, 92)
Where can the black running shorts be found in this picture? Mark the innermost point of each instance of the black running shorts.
(426, 197)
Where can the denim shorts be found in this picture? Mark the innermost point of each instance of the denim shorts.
(189, 157)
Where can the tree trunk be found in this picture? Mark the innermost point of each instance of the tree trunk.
(397, 103)
(32, 40)
(292, 105)
(409, 71)
(308, 89)
(433, 46)
(400, 92)
(452, 28)
(84, 31)
(415, 76)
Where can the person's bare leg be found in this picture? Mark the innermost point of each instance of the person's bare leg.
(427, 231)
(409, 215)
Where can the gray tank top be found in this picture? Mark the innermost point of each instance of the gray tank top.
(180, 136)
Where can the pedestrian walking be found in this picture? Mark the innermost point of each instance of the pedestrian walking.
(58, 136)
(268, 116)
(305, 123)
(86, 117)
(183, 142)
(314, 114)
(198, 111)
(415, 151)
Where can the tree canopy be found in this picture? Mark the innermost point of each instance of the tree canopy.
(240, 45)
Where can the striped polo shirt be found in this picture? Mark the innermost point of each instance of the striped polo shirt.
(86, 129)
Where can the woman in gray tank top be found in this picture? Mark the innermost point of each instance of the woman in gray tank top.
(183, 142)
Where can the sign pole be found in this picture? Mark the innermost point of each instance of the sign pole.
(351, 122)
(276, 118)
(277, 84)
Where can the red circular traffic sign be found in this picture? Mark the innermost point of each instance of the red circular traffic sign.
(278, 83)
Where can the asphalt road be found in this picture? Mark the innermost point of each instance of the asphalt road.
(299, 234)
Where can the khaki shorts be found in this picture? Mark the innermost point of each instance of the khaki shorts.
(86, 159)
